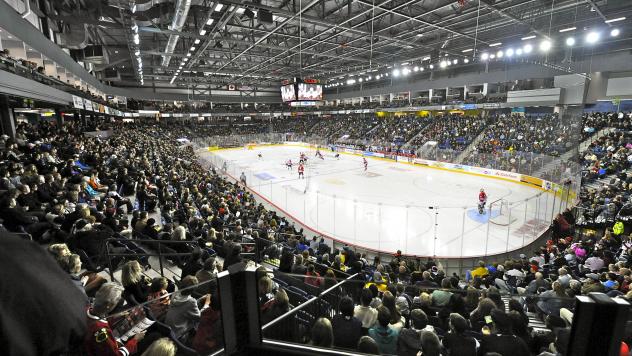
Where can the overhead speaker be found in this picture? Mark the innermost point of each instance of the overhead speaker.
(248, 13)
(265, 16)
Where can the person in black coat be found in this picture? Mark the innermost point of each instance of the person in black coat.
(347, 328)
(501, 338)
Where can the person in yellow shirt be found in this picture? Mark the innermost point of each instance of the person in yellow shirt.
(379, 282)
(480, 271)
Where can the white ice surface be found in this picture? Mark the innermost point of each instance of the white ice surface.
(388, 207)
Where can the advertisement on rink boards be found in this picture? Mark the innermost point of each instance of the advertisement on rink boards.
(479, 170)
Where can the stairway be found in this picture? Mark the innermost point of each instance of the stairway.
(471, 147)
(535, 323)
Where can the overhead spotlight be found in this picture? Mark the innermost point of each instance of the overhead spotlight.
(189, 54)
(202, 32)
(492, 56)
(416, 69)
(592, 37)
(360, 80)
(197, 41)
(192, 48)
(209, 22)
(185, 59)
(219, 7)
(500, 54)
(395, 72)
(443, 64)
(421, 69)
(570, 41)
(351, 81)
(466, 61)
(519, 52)
(405, 71)
(368, 78)
(137, 53)
(136, 39)
(431, 66)
(615, 32)
(456, 61)
(485, 56)
(545, 45)
(527, 48)
(509, 52)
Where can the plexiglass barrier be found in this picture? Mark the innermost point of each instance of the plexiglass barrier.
(421, 230)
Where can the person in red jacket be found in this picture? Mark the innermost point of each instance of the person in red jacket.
(99, 340)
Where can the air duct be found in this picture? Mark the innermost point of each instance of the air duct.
(179, 18)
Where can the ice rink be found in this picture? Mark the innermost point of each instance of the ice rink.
(421, 210)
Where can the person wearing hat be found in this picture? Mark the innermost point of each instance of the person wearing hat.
(591, 284)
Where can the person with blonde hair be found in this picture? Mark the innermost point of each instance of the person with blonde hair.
(161, 347)
(135, 283)
(322, 333)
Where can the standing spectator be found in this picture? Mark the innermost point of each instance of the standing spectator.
(384, 336)
(347, 328)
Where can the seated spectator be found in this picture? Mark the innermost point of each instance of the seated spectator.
(99, 339)
(378, 281)
(364, 312)
(430, 344)
(208, 274)
(455, 341)
(441, 297)
(298, 267)
(500, 338)
(484, 309)
(183, 313)
(209, 335)
(161, 347)
(397, 320)
(384, 336)
(347, 329)
(158, 297)
(322, 333)
(312, 277)
(550, 302)
(367, 345)
(409, 341)
(135, 283)
(480, 271)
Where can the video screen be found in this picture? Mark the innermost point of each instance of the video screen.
(288, 93)
(310, 91)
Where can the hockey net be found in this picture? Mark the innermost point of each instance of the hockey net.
(499, 212)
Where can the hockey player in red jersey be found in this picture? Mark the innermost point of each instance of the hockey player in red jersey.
(482, 200)
(301, 170)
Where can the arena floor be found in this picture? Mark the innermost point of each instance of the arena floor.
(420, 210)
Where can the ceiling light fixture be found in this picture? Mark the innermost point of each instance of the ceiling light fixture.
(219, 7)
(495, 44)
(202, 32)
(519, 52)
(568, 29)
(615, 32)
(467, 50)
(545, 45)
(466, 61)
(197, 41)
(485, 56)
(209, 22)
(405, 71)
(527, 48)
(528, 37)
(509, 52)
(443, 64)
(500, 54)
(395, 73)
(615, 20)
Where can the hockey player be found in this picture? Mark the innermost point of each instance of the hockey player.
(319, 155)
(366, 163)
(301, 170)
(482, 200)
(288, 164)
(260, 156)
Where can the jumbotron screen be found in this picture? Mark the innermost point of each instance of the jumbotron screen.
(288, 93)
(310, 91)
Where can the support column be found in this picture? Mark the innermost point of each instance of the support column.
(7, 117)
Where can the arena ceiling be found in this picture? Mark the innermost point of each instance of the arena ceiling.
(261, 42)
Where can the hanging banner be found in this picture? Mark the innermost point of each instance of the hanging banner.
(77, 102)
(88, 104)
